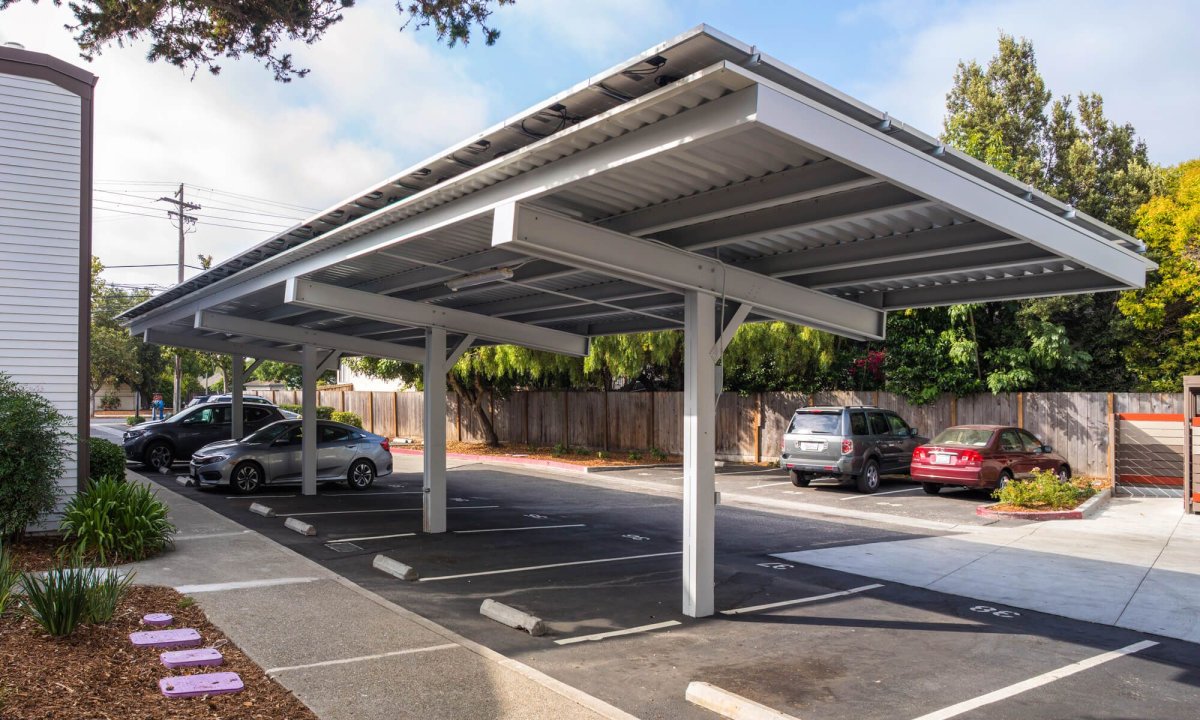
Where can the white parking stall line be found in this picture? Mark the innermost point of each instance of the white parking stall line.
(255, 497)
(760, 471)
(242, 585)
(889, 492)
(815, 598)
(383, 492)
(361, 658)
(616, 633)
(371, 537)
(1035, 682)
(388, 510)
(527, 527)
(772, 484)
(553, 565)
(208, 536)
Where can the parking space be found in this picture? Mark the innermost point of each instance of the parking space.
(601, 567)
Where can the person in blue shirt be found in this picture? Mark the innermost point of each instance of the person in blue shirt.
(157, 408)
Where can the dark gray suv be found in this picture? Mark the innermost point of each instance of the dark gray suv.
(852, 444)
(159, 444)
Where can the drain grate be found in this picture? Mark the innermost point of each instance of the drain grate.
(342, 547)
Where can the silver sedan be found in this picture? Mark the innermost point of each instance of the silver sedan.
(272, 456)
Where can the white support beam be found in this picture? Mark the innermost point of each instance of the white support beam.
(708, 122)
(308, 421)
(699, 453)
(372, 306)
(208, 343)
(329, 362)
(830, 133)
(730, 329)
(1008, 288)
(542, 234)
(207, 320)
(462, 346)
(434, 432)
(236, 385)
(252, 367)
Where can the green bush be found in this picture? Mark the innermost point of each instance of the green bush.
(134, 419)
(110, 402)
(635, 456)
(1043, 491)
(8, 579)
(559, 450)
(115, 521)
(324, 412)
(347, 417)
(105, 459)
(33, 449)
(291, 408)
(69, 594)
(658, 454)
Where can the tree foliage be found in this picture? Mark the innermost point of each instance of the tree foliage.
(195, 34)
(1166, 313)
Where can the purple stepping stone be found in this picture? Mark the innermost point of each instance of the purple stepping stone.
(157, 619)
(197, 685)
(191, 658)
(180, 638)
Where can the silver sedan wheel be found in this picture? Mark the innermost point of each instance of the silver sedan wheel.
(247, 478)
(362, 474)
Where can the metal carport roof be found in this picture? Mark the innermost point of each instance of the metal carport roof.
(701, 173)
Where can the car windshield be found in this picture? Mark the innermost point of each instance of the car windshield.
(267, 434)
(967, 437)
(823, 423)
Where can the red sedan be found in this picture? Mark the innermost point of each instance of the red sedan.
(983, 456)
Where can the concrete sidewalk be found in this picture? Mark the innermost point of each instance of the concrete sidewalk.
(1136, 565)
(344, 651)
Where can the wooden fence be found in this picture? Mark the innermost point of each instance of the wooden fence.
(749, 427)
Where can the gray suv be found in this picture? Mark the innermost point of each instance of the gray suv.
(853, 444)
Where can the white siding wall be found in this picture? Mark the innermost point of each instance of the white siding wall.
(40, 127)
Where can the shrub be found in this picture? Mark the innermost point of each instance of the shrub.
(559, 450)
(1043, 491)
(658, 454)
(117, 521)
(110, 402)
(324, 412)
(57, 600)
(602, 455)
(105, 591)
(347, 417)
(8, 579)
(134, 419)
(291, 408)
(32, 452)
(105, 459)
(635, 456)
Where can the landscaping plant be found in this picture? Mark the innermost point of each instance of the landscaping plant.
(347, 417)
(8, 578)
(1043, 491)
(134, 419)
(57, 599)
(105, 459)
(33, 449)
(106, 590)
(117, 521)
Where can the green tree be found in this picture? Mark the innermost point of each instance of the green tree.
(1166, 313)
(194, 34)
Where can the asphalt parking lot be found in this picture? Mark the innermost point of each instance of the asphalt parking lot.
(602, 567)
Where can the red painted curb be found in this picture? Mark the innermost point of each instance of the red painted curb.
(529, 462)
(987, 511)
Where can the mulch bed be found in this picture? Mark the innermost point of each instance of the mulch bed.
(580, 457)
(34, 552)
(97, 673)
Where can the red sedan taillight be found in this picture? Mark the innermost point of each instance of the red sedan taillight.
(847, 446)
(387, 446)
(970, 458)
(921, 454)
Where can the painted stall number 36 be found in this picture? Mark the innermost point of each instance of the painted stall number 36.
(776, 565)
(994, 611)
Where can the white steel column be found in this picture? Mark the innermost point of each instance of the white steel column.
(434, 516)
(699, 450)
(308, 421)
(235, 381)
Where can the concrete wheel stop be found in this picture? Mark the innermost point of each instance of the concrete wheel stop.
(299, 526)
(260, 509)
(512, 617)
(395, 568)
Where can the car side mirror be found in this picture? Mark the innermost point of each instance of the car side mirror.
(913, 432)
(1047, 449)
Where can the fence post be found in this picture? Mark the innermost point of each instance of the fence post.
(566, 433)
(953, 410)
(396, 409)
(1020, 409)
(758, 425)
(1111, 456)
(650, 426)
(526, 394)
(458, 416)
(606, 417)
(371, 410)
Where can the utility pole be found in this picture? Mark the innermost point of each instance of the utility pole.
(181, 214)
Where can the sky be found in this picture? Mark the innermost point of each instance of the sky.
(258, 155)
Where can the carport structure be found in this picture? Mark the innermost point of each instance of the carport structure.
(697, 186)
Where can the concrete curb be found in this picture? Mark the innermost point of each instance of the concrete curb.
(300, 526)
(512, 617)
(730, 705)
(535, 462)
(395, 568)
(260, 509)
(1090, 507)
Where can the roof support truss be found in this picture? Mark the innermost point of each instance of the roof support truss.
(294, 335)
(543, 234)
(220, 345)
(384, 308)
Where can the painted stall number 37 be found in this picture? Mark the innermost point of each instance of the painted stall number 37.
(995, 611)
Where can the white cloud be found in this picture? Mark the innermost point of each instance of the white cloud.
(377, 99)
(1141, 57)
(587, 29)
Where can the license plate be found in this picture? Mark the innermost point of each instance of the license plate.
(812, 446)
(943, 459)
